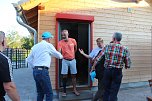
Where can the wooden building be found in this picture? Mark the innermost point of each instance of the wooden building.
(87, 20)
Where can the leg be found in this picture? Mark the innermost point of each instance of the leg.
(37, 74)
(99, 93)
(116, 82)
(47, 87)
(73, 71)
(74, 84)
(64, 84)
(107, 84)
(64, 73)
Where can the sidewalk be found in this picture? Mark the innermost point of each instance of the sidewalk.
(26, 86)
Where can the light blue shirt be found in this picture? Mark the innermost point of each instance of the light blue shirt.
(94, 52)
(41, 54)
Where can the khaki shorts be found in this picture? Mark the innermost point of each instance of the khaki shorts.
(66, 64)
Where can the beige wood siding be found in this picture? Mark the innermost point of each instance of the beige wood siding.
(109, 18)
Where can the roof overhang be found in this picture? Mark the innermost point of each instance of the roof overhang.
(134, 1)
(29, 4)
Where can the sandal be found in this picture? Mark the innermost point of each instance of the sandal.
(76, 93)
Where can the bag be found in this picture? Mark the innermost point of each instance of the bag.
(93, 75)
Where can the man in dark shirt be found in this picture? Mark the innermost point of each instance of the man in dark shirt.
(6, 83)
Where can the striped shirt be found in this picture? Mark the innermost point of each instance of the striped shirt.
(5, 72)
(116, 56)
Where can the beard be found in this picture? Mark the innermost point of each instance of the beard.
(63, 37)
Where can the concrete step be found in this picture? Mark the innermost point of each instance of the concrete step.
(84, 95)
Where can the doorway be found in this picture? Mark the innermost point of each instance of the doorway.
(81, 33)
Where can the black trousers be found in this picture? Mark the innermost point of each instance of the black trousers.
(99, 93)
(2, 99)
(112, 81)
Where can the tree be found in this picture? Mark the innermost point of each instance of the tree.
(13, 39)
(27, 42)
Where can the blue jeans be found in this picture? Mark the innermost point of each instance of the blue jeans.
(112, 81)
(43, 84)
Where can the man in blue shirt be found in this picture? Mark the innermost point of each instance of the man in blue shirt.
(92, 55)
(95, 51)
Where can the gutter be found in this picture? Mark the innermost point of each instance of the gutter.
(23, 22)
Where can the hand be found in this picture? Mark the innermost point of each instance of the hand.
(92, 68)
(81, 51)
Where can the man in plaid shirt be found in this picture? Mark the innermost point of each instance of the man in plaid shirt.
(117, 56)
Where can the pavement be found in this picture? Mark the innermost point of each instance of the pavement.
(24, 81)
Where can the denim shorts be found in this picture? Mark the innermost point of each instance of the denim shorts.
(66, 64)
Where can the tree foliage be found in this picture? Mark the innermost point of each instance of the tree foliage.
(27, 42)
(13, 39)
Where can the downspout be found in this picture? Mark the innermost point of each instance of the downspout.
(19, 16)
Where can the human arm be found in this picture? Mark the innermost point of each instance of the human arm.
(54, 52)
(29, 59)
(11, 91)
(127, 60)
(59, 47)
(85, 55)
(99, 56)
(75, 48)
(6, 78)
(75, 45)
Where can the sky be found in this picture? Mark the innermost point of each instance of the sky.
(8, 18)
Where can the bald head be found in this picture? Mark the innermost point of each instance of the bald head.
(65, 34)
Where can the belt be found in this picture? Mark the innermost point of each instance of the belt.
(68, 59)
(41, 67)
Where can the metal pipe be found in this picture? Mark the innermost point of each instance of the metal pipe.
(19, 16)
(28, 27)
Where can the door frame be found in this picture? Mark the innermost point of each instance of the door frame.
(71, 17)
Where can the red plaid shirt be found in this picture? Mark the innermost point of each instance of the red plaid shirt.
(116, 56)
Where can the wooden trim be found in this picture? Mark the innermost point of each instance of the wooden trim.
(56, 61)
(91, 46)
(41, 7)
(150, 83)
(73, 17)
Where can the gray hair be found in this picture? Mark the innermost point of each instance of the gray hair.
(117, 36)
(2, 36)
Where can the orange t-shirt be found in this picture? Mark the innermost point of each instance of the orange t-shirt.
(67, 48)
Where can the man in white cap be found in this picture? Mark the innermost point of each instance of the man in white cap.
(40, 59)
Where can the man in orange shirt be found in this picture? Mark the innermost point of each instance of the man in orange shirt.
(68, 46)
